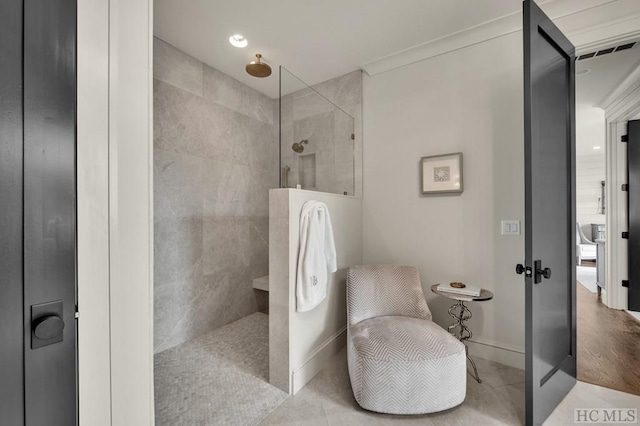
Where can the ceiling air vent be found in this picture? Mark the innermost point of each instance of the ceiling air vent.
(607, 51)
(625, 46)
(586, 56)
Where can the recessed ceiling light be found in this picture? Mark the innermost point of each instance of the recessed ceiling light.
(238, 41)
(596, 147)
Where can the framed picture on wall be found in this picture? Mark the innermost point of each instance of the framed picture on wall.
(441, 174)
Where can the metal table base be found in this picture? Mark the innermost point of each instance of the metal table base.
(463, 333)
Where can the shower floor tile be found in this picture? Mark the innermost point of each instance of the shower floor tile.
(219, 378)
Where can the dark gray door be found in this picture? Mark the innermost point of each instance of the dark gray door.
(550, 295)
(38, 228)
(633, 160)
(11, 282)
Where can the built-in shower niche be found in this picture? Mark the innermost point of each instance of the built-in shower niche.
(307, 171)
(316, 140)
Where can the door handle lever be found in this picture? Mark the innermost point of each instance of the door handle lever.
(48, 327)
(540, 272)
(546, 272)
(528, 271)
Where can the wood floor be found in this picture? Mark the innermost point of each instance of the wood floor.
(608, 345)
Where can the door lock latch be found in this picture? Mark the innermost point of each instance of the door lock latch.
(520, 269)
(539, 271)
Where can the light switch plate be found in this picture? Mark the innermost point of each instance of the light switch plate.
(510, 227)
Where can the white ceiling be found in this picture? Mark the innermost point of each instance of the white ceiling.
(605, 74)
(322, 39)
(315, 39)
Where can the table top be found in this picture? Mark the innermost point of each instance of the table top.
(484, 295)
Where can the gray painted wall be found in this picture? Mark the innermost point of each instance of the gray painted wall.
(215, 159)
(456, 102)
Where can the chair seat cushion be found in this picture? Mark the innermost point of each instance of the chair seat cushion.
(401, 365)
(586, 250)
(402, 338)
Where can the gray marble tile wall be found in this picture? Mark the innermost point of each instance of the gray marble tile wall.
(307, 115)
(280, 298)
(215, 159)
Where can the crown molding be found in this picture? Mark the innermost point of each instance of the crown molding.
(627, 86)
(607, 34)
(626, 106)
(461, 39)
(602, 19)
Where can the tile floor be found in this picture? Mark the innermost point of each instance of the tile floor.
(585, 395)
(328, 400)
(218, 378)
(499, 400)
(221, 378)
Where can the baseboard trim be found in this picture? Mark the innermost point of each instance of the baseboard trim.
(635, 315)
(318, 359)
(512, 356)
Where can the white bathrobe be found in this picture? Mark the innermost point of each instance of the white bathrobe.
(316, 255)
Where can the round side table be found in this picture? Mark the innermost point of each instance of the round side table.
(461, 314)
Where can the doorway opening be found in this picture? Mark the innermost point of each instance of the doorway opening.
(608, 336)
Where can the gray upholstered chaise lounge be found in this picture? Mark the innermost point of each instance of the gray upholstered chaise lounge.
(400, 362)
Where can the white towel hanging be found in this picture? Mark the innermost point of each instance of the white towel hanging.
(316, 255)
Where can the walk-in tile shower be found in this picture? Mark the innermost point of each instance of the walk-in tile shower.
(215, 159)
(219, 147)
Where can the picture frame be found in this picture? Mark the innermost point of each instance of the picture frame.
(441, 174)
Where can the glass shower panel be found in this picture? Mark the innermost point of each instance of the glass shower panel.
(316, 140)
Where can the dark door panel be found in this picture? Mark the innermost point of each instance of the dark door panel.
(11, 328)
(633, 158)
(38, 213)
(550, 214)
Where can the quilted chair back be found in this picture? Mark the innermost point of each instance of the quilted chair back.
(383, 290)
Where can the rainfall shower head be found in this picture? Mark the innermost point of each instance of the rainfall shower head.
(299, 146)
(257, 68)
